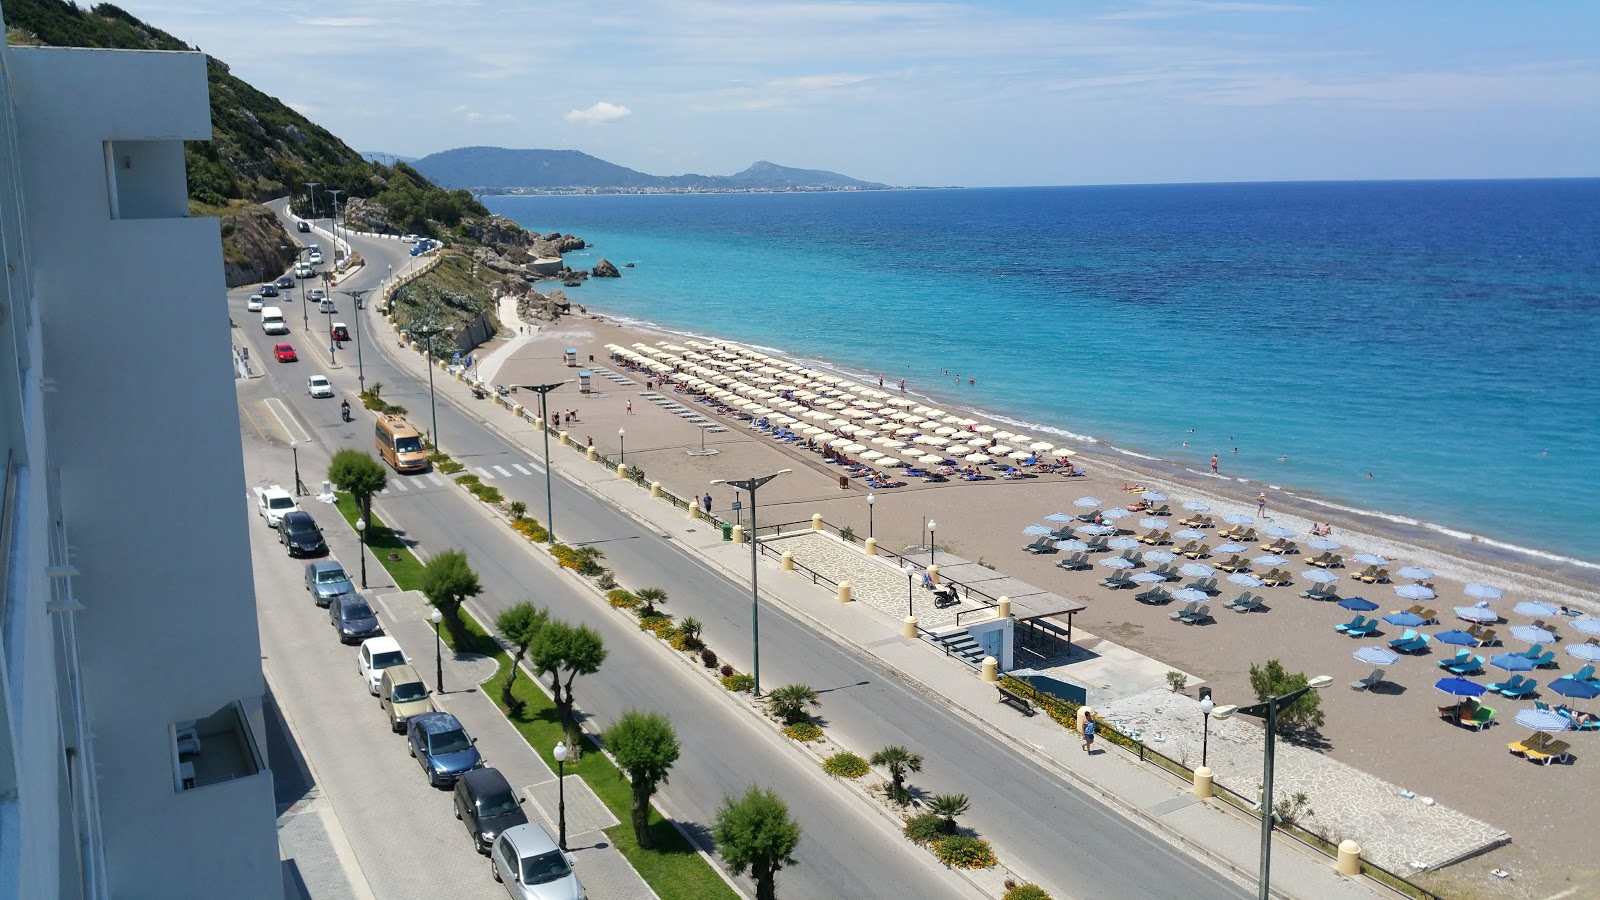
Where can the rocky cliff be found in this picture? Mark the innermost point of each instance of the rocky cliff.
(255, 246)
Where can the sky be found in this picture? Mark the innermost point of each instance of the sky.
(942, 93)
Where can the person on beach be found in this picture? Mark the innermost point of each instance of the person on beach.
(880, 381)
(557, 417)
(1261, 504)
(1089, 729)
(1213, 464)
(902, 387)
(630, 407)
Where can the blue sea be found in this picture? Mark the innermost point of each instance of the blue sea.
(1441, 336)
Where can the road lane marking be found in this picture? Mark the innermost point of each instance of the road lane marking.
(483, 473)
(437, 481)
(286, 421)
(502, 471)
(520, 469)
(401, 485)
(253, 423)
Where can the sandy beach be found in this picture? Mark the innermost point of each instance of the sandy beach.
(1393, 732)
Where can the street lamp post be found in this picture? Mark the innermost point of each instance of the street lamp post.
(438, 652)
(560, 753)
(911, 575)
(870, 500)
(333, 344)
(433, 408)
(334, 219)
(311, 194)
(355, 298)
(549, 503)
(751, 485)
(931, 548)
(305, 314)
(1206, 706)
(361, 533)
(1268, 711)
(622, 446)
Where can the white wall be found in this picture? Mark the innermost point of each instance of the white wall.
(1004, 626)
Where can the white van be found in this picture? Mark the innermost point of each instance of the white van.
(272, 321)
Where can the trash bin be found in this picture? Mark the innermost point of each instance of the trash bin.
(727, 531)
(844, 481)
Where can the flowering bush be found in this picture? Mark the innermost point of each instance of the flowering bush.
(804, 731)
(845, 765)
(964, 852)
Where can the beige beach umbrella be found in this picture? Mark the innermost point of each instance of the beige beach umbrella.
(930, 459)
(837, 443)
(951, 420)
(882, 441)
(870, 455)
(890, 461)
(978, 442)
(811, 431)
(944, 430)
(964, 423)
(849, 429)
(1003, 435)
(1001, 449)
(1021, 440)
(853, 448)
(937, 414)
(1020, 455)
(905, 430)
(977, 458)
(1041, 445)
(1063, 451)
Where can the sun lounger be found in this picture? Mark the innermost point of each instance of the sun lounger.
(1277, 578)
(1203, 614)
(1320, 561)
(1235, 603)
(1366, 630)
(1545, 660)
(1525, 689)
(1247, 536)
(1320, 591)
(1187, 547)
(1097, 544)
(1230, 532)
(1479, 720)
(1357, 622)
(1045, 544)
(1235, 563)
(1200, 552)
(1207, 522)
(1117, 581)
(1406, 638)
(1154, 596)
(1532, 742)
(1511, 684)
(1191, 522)
(1555, 751)
(1430, 616)
(1584, 674)
(1169, 571)
(1590, 725)
(1251, 603)
(1369, 681)
(1150, 536)
(1470, 666)
(1486, 636)
(1205, 586)
(1532, 652)
(1076, 562)
(1460, 657)
(1368, 575)
(1188, 609)
(1162, 510)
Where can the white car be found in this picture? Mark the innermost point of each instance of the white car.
(255, 303)
(377, 654)
(326, 305)
(409, 238)
(273, 503)
(531, 867)
(319, 386)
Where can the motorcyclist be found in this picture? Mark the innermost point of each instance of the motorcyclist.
(344, 410)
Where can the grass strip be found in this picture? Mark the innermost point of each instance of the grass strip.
(673, 869)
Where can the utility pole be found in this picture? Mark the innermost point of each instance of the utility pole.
(311, 192)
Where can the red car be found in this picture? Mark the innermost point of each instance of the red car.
(285, 353)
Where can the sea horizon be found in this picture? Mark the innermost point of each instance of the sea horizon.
(1115, 323)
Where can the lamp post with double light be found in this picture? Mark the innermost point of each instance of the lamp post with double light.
(549, 502)
(333, 220)
(438, 651)
(560, 753)
(361, 370)
(1268, 711)
(429, 334)
(751, 485)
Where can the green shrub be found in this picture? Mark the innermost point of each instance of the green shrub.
(964, 852)
(738, 681)
(622, 598)
(450, 467)
(1025, 892)
(606, 580)
(804, 731)
(532, 530)
(926, 829)
(517, 509)
(486, 493)
(656, 624)
(439, 456)
(467, 481)
(845, 765)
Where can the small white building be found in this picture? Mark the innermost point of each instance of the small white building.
(132, 759)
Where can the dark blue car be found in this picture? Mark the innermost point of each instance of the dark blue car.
(442, 747)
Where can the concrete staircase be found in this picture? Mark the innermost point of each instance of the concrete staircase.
(957, 642)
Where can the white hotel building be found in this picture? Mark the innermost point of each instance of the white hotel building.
(132, 758)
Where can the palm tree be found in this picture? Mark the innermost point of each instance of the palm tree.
(690, 629)
(949, 806)
(789, 702)
(899, 761)
(650, 596)
(586, 560)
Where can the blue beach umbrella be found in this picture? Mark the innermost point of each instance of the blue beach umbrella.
(1533, 634)
(1415, 592)
(1457, 638)
(1371, 559)
(1280, 531)
(1322, 544)
(1059, 517)
(1482, 614)
(1190, 595)
(1415, 573)
(1543, 720)
(1269, 560)
(1320, 576)
(1087, 503)
(1038, 531)
(1585, 652)
(1377, 656)
(1154, 496)
(1122, 543)
(1587, 625)
(1117, 562)
(1245, 579)
(1511, 662)
(1460, 687)
(1073, 546)
(1232, 547)
(1115, 513)
(1159, 557)
(1535, 608)
(1238, 519)
(1098, 529)
(1191, 534)
(1404, 619)
(1196, 506)
(1358, 604)
(1149, 577)
(1151, 522)
(1483, 591)
(1577, 690)
(1197, 570)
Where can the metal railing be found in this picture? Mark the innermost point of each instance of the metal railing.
(926, 635)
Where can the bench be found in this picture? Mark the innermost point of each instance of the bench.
(1013, 700)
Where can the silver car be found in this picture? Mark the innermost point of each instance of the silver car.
(326, 579)
(532, 867)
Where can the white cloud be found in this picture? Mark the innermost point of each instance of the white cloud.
(478, 117)
(599, 114)
(340, 22)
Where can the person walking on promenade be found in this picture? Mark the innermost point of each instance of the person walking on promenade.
(1261, 504)
(705, 504)
(630, 407)
(1088, 733)
(1213, 464)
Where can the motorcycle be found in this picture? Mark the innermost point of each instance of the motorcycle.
(344, 410)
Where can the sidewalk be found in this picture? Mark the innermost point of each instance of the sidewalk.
(1211, 831)
(600, 865)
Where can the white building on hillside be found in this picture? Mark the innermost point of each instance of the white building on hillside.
(131, 749)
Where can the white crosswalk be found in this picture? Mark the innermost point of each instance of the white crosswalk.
(521, 469)
(406, 484)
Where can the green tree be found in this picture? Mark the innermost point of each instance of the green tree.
(755, 832)
(569, 650)
(898, 760)
(447, 581)
(947, 807)
(360, 474)
(651, 597)
(1271, 680)
(788, 703)
(586, 560)
(521, 625)
(645, 748)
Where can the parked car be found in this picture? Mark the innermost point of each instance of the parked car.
(378, 654)
(326, 579)
(341, 331)
(353, 618)
(302, 226)
(269, 290)
(299, 534)
(319, 386)
(285, 353)
(403, 695)
(487, 805)
(442, 747)
(255, 303)
(284, 282)
(273, 503)
(409, 238)
(527, 861)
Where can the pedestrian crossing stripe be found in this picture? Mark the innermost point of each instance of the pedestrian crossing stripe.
(437, 481)
(503, 471)
(483, 473)
(520, 469)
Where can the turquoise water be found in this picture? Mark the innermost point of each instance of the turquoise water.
(1439, 335)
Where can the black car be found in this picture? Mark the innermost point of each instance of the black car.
(299, 534)
(355, 621)
(268, 290)
(302, 226)
(284, 283)
(487, 805)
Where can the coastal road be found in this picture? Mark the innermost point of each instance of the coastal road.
(1050, 830)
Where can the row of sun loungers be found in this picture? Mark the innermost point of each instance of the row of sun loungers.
(1541, 747)
(1320, 592)
(1372, 575)
(1468, 713)
(1328, 560)
(1463, 663)
(1516, 688)
(1192, 614)
(1359, 627)
(1410, 642)
(1198, 521)
(1246, 602)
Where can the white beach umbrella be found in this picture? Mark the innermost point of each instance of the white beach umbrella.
(812, 431)
(977, 442)
(888, 460)
(930, 459)
(944, 430)
(1041, 445)
(1021, 439)
(1003, 435)
(871, 455)
(979, 458)
(1001, 449)
(1019, 455)
(985, 429)
(839, 442)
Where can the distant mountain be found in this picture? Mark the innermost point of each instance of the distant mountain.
(388, 159)
(501, 170)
